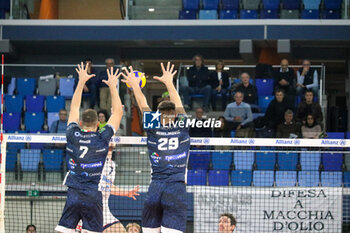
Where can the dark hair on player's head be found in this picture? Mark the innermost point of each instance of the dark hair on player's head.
(104, 112)
(309, 91)
(230, 216)
(87, 59)
(279, 90)
(166, 106)
(89, 118)
(29, 226)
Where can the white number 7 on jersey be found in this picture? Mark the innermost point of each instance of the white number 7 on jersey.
(85, 150)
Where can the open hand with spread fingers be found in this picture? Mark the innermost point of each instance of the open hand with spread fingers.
(83, 74)
(112, 78)
(168, 74)
(134, 192)
(130, 79)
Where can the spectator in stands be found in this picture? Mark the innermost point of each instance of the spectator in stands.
(308, 106)
(200, 132)
(198, 83)
(103, 117)
(288, 129)
(307, 79)
(223, 131)
(133, 228)
(227, 223)
(311, 129)
(219, 84)
(249, 91)
(238, 114)
(275, 112)
(60, 126)
(285, 80)
(105, 97)
(31, 229)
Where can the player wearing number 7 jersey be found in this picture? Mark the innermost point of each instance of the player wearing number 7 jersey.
(165, 205)
(87, 149)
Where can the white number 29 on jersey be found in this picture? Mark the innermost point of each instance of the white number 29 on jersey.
(168, 143)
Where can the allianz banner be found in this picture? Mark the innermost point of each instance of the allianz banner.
(266, 210)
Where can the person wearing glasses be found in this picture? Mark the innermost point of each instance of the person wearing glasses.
(60, 125)
(285, 80)
(307, 79)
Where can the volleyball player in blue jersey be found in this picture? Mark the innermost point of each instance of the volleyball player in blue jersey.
(165, 205)
(87, 149)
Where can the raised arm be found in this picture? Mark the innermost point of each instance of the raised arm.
(132, 193)
(117, 108)
(134, 84)
(76, 100)
(167, 79)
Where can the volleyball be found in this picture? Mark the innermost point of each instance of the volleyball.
(141, 76)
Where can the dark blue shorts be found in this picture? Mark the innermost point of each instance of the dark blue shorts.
(85, 205)
(166, 206)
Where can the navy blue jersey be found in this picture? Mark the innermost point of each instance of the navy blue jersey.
(168, 149)
(86, 155)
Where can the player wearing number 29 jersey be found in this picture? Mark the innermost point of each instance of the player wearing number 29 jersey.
(165, 205)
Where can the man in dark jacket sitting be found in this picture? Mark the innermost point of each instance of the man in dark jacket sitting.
(309, 107)
(285, 80)
(198, 83)
(249, 91)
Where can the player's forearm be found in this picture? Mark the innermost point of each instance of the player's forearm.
(76, 100)
(117, 107)
(115, 191)
(175, 97)
(141, 99)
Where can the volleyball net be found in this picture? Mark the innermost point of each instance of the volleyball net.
(268, 185)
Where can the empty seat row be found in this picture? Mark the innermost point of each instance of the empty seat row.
(264, 14)
(29, 159)
(246, 160)
(46, 87)
(267, 178)
(34, 103)
(266, 4)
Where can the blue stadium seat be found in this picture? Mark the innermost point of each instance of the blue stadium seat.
(310, 14)
(66, 87)
(347, 134)
(221, 160)
(11, 87)
(249, 14)
(55, 103)
(269, 14)
(230, 4)
(228, 14)
(310, 161)
(271, 4)
(264, 102)
(199, 160)
(308, 178)
(30, 159)
(51, 117)
(188, 14)
(243, 160)
(34, 121)
(35, 103)
(331, 179)
(12, 121)
(332, 162)
(287, 161)
(330, 14)
(25, 86)
(11, 159)
(312, 4)
(347, 179)
(197, 177)
(335, 135)
(14, 103)
(291, 4)
(263, 178)
(208, 14)
(286, 178)
(52, 160)
(190, 4)
(332, 4)
(241, 178)
(265, 161)
(265, 86)
(37, 145)
(16, 145)
(218, 178)
(210, 4)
